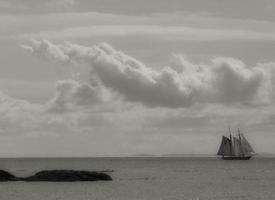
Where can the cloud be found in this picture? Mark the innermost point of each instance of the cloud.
(181, 84)
(61, 3)
(20, 117)
(12, 6)
(48, 50)
(74, 110)
(17, 114)
(28, 129)
(236, 82)
(176, 26)
(70, 93)
(169, 33)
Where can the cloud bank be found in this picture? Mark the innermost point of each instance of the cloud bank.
(180, 84)
(136, 107)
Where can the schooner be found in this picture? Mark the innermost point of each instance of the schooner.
(235, 147)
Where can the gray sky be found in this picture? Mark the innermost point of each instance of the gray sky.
(120, 77)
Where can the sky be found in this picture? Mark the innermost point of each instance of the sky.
(126, 77)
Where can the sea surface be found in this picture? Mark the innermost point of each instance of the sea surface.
(146, 178)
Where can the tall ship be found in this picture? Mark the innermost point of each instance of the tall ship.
(235, 147)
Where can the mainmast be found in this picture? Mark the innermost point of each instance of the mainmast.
(231, 142)
(241, 143)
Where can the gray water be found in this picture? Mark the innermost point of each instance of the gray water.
(147, 178)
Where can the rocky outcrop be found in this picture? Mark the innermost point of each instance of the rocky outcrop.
(68, 175)
(58, 176)
(6, 176)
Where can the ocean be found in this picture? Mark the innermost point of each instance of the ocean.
(146, 178)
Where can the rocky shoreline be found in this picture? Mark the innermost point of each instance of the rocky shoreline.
(57, 176)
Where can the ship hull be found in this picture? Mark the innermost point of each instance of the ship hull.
(236, 157)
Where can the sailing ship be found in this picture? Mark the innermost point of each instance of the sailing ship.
(235, 147)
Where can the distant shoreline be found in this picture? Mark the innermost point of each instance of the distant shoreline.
(260, 155)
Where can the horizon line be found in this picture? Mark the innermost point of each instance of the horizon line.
(263, 155)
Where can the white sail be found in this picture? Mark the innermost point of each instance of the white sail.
(238, 151)
(246, 146)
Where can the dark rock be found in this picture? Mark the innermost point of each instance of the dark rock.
(6, 176)
(68, 176)
(58, 176)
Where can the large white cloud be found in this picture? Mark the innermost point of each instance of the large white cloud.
(181, 84)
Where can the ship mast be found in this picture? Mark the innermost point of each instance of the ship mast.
(231, 141)
(241, 145)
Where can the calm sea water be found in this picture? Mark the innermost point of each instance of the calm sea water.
(147, 178)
